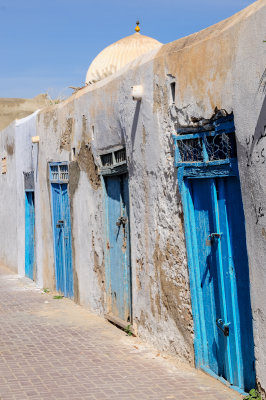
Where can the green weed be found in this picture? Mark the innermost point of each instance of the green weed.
(58, 297)
(253, 395)
(128, 330)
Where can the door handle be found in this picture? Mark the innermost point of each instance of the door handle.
(223, 326)
(212, 237)
(215, 235)
(60, 223)
(121, 221)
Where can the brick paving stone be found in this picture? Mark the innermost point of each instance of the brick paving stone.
(55, 349)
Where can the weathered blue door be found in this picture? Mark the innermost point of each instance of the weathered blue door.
(118, 271)
(62, 234)
(224, 337)
(29, 234)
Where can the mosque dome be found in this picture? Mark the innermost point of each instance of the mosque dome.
(118, 54)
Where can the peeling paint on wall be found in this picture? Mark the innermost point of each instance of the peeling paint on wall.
(99, 270)
(87, 164)
(65, 142)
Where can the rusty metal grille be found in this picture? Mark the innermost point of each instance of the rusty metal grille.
(107, 160)
(120, 155)
(29, 180)
(220, 147)
(191, 150)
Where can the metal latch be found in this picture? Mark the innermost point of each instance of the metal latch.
(223, 326)
(121, 221)
(212, 237)
(215, 235)
(60, 223)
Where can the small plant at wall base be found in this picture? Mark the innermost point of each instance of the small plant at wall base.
(58, 297)
(128, 330)
(253, 395)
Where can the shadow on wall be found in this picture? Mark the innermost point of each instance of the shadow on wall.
(259, 134)
(135, 124)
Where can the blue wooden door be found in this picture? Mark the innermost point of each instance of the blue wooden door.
(118, 272)
(224, 337)
(62, 239)
(29, 234)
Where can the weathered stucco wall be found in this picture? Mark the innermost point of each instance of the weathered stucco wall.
(161, 299)
(221, 67)
(213, 69)
(16, 146)
(8, 199)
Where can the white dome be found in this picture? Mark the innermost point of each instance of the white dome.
(118, 54)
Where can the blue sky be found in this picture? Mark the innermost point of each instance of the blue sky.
(48, 45)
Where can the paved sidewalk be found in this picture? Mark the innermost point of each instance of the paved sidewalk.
(55, 349)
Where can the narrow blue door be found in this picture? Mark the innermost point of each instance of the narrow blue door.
(118, 273)
(217, 226)
(29, 234)
(62, 239)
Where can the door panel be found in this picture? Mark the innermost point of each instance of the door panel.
(29, 234)
(67, 240)
(118, 278)
(209, 285)
(235, 264)
(223, 279)
(62, 239)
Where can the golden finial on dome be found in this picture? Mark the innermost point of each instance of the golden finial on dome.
(137, 29)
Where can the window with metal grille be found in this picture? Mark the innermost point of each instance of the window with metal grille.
(113, 159)
(107, 160)
(120, 155)
(59, 172)
(215, 146)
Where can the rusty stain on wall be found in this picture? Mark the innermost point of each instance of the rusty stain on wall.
(10, 148)
(74, 174)
(65, 140)
(172, 290)
(87, 164)
(99, 270)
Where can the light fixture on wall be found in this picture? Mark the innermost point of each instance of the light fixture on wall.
(35, 139)
(137, 92)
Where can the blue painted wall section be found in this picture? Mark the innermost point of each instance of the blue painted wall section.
(217, 258)
(61, 229)
(118, 270)
(29, 234)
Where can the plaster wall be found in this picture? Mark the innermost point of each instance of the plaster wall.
(161, 299)
(16, 146)
(222, 67)
(8, 199)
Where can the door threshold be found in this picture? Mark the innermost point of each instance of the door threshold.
(126, 326)
(221, 379)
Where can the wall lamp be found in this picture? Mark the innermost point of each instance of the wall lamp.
(137, 92)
